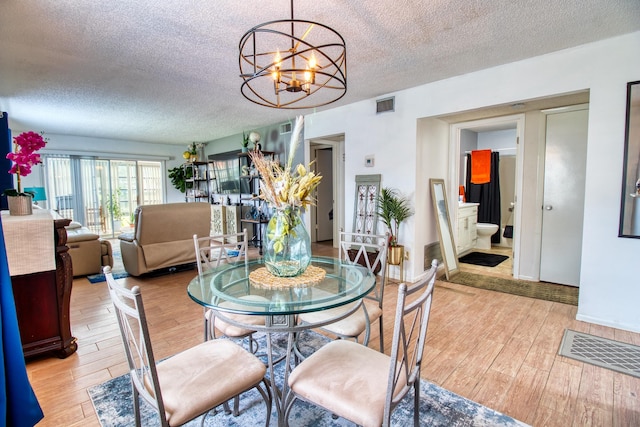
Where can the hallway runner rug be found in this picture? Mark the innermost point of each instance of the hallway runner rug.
(438, 407)
(525, 288)
(483, 259)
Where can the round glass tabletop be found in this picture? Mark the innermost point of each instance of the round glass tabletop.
(229, 288)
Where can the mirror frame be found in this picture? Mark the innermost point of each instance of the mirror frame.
(630, 198)
(443, 224)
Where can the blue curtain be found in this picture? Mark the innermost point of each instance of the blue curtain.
(19, 406)
(6, 179)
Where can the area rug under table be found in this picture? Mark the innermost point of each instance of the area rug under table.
(438, 407)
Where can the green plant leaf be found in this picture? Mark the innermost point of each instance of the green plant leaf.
(178, 177)
(393, 210)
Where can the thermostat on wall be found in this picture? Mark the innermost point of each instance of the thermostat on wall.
(368, 161)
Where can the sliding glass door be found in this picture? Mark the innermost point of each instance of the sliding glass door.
(102, 194)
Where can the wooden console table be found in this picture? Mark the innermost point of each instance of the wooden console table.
(41, 278)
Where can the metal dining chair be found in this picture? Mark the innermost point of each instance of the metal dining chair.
(212, 252)
(188, 384)
(360, 384)
(369, 250)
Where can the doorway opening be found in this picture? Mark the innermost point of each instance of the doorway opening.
(501, 136)
(326, 218)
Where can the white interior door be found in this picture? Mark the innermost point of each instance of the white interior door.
(563, 203)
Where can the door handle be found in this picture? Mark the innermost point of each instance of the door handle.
(548, 207)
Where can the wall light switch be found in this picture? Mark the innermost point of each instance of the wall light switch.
(369, 161)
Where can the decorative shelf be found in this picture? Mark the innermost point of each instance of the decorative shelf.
(255, 221)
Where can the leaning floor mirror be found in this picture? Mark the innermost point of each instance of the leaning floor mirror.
(443, 224)
(630, 209)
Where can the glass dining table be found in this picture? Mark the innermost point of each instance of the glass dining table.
(245, 288)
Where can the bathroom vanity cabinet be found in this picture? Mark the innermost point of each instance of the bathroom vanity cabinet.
(467, 227)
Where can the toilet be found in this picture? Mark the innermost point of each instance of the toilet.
(485, 231)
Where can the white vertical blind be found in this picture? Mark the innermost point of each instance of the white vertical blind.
(59, 185)
(150, 183)
(85, 189)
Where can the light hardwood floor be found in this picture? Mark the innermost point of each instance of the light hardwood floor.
(496, 349)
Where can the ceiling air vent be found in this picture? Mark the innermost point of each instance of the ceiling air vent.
(384, 105)
(285, 128)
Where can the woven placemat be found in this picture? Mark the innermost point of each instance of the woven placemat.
(311, 276)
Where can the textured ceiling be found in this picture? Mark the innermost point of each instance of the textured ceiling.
(167, 71)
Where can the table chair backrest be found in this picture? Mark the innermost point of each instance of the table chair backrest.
(212, 251)
(409, 335)
(137, 343)
(368, 250)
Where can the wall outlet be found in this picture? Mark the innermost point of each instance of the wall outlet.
(406, 255)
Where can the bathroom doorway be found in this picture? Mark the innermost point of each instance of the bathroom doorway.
(500, 135)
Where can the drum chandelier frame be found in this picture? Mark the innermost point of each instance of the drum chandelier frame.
(293, 64)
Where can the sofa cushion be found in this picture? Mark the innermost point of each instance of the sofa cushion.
(73, 225)
(128, 237)
(168, 254)
(172, 222)
(80, 235)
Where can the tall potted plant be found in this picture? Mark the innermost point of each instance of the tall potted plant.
(393, 209)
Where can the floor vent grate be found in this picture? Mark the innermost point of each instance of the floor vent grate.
(610, 354)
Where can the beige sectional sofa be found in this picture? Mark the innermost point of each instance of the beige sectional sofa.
(162, 236)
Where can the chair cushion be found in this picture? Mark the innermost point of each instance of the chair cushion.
(234, 331)
(204, 376)
(346, 378)
(351, 326)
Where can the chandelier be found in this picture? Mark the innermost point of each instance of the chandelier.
(293, 64)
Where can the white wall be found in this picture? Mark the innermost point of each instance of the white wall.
(608, 288)
(498, 140)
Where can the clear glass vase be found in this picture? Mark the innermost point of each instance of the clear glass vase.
(287, 248)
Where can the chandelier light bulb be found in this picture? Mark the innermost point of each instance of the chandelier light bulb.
(275, 74)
